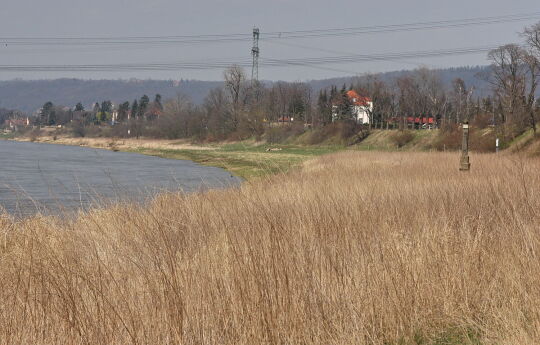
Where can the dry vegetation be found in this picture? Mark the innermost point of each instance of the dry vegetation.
(356, 248)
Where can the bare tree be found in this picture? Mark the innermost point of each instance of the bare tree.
(533, 74)
(508, 78)
(532, 60)
(175, 120)
(461, 99)
(218, 113)
(235, 80)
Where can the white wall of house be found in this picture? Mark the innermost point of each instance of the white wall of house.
(361, 113)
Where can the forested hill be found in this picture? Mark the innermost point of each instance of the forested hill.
(472, 76)
(29, 96)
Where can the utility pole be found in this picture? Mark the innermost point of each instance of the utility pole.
(464, 164)
(255, 53)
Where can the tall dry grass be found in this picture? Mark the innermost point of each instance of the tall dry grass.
(357, 248)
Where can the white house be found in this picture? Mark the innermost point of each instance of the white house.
(362, 107)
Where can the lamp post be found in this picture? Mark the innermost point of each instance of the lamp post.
(464, 164)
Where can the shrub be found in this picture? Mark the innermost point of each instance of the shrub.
(34, 134)
(283, 132)
(449, 138)
(482, 140)
(402, 138)
(78, 129)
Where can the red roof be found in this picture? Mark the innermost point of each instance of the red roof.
(429, 120)
(356, 99)
(419, 120)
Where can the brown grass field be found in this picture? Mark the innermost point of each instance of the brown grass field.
(354, 248)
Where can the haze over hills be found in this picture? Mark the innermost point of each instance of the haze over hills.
(30, 95)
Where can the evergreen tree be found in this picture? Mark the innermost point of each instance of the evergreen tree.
(143, 105)
(157, 102)
(45, 115)
(344, 111)
(106, 107)
(123, 110)
(79, 107)
(134, 109)
(52, 118)
(333, 94)
(324, 106)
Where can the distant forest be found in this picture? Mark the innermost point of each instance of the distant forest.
(29, 95)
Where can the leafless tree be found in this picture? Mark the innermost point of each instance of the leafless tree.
(461, 100)
(508, 78)
(235, 84)
(175, 120)
(532, 60)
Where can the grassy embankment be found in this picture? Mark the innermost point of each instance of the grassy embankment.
(247, 159)
(354, 248)
(5, 136)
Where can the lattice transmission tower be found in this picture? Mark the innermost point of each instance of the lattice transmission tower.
(255, 53)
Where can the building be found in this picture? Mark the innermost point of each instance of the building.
(15, 124)
(424, 122)
(361, 108)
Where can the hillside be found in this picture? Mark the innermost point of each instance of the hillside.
(29, 95)
(32, 94)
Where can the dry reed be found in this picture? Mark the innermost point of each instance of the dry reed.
(355, 248)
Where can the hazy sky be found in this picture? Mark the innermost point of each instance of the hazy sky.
(78, 18)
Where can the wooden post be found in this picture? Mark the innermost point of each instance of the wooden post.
(464, 164)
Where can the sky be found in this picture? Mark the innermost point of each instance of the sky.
(146, 18)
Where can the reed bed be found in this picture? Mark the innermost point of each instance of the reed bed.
(354, 248)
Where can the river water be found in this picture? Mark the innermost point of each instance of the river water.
(57, 179)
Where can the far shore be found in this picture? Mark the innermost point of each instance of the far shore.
(116, 144)
(246, 159)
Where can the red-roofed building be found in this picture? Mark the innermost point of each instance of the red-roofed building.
(14, 124)
(362, 107)
(424, 122)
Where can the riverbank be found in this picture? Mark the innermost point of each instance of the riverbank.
(353, 248)
(246, 159)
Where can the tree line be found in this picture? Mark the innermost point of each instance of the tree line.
(243, 109)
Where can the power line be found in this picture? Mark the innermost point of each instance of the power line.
(209, 65)
(302, 46)
(281, 35)
(403, 27)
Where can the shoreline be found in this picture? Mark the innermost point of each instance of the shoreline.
(114, 144)
(247, 159)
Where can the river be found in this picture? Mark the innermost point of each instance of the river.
(57, 179)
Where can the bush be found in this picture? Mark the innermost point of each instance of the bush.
(482, 121)
(34, 134)
(482, 141)
(402, 138)
(449, 138)
(342, 132)
(280, 134)
(78, 129)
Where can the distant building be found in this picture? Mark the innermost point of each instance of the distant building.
(362, 107)
(15, 124)
(423, 122)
